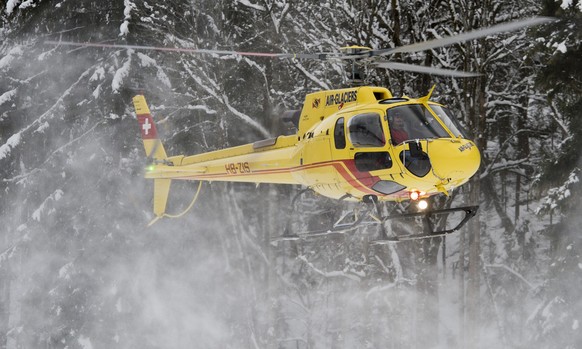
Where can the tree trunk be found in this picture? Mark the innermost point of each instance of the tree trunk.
(461, 271)
(473, 287)
(428, 300)
(4, 303)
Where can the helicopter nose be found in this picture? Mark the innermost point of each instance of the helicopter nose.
(454, 160)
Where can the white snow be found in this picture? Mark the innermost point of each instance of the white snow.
(85, 342)
(124, 27)
(26, 4)
(567, 3)
(65, 271)
(201, 107)
(10, 5)
(56, 196)
(10, 144)
(99, 74)
(42, 127)
(561, 47)
(97, 92)
(558, 194)
(146, 61)
(121, 74)
(251, 5)
(575, 325)
(43, 55)
(6, 60)
(7, 96)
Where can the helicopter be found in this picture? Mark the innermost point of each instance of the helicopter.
(359, 144)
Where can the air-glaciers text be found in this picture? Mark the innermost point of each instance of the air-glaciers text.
(340, 98)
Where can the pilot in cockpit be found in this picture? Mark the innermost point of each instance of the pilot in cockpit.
(398, 128)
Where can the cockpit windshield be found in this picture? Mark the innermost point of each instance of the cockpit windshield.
(414, 121)
(445, 115)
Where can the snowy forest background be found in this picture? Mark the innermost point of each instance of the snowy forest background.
(80, 269)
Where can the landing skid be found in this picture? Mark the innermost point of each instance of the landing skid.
(431, 230)
(364, 215)
(400, 238)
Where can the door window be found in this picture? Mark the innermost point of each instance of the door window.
(365, 130)
(339, 134)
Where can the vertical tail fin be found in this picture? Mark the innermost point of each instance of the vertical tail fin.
(153, 146)
(154, 151)
(161, 191)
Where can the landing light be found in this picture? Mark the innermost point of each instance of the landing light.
(422, 204)
(150, 168)
(414, 195)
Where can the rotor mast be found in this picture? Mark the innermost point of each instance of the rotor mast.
(356, 71)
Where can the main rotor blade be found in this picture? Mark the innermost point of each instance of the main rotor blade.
(442, 42)
(321, 56)
(425, 70)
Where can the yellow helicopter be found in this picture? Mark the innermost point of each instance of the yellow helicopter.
(355, 144)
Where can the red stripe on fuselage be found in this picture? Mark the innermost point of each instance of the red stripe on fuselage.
(362, 181)
(365, 177)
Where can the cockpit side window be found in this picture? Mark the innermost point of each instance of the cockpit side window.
(339, 134)
(413, 121)
(365, 130)
(399, 126)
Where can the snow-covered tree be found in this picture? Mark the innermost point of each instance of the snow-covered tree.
(79, 268)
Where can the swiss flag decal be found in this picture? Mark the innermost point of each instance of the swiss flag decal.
(146, 124)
